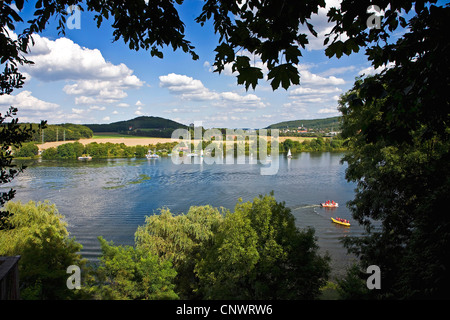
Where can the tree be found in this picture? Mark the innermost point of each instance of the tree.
(266, 28)
(37, 233)
(181, 239)
(353, 286)
(11, 133)
(259, 253)
(128, 273)
(397, 125)
(287, 144)
(255, 252)
(29, 149)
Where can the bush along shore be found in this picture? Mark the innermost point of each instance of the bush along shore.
(73, 150)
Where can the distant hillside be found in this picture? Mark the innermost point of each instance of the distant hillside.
(316, 124)
(58, 132)
(140, 126)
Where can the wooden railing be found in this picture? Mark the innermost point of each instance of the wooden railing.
(9, 278)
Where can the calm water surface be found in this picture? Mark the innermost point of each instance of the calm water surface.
(111, 198)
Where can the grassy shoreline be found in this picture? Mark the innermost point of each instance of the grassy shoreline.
(134, 141)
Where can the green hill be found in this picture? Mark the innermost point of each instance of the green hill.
(316, 124)
(140, 126)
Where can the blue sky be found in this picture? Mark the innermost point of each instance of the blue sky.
(84, 77)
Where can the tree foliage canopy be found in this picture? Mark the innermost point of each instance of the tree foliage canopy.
(37, 232)
(255, 252)
(259, 253)
(397, 123)
(128, 273)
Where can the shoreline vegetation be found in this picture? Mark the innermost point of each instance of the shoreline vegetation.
(108, 147)
(252, 252)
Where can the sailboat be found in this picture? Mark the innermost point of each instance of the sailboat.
(289, 155)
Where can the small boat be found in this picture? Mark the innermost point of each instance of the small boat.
(85, 157)
(347, 224)
(330, 204)
(289, 155)
(151, 155)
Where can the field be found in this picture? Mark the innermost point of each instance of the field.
(133, 141)
(127, 141)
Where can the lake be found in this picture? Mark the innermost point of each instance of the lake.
(111, 198)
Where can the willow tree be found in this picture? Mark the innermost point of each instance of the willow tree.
(182, 240)
(38, 233)
(255, 252)
(258, 252)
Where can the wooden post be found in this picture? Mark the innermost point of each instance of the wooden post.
(9, 278)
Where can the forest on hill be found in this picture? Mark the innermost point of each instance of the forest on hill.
(140, 126)
(330, 124)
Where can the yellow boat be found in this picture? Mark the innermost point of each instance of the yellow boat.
(340, 222)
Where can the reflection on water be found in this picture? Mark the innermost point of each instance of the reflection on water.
(110, 198)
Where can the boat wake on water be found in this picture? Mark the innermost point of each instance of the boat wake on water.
(306, 206)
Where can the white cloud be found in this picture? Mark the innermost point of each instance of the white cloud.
(328, 111)
(189, 88)
(107, 118)
(139, 103)
(317, 96)
(36, 110)
(255, 61)
(25, 101)
(138, 111)
(123, 105)
(179, 110)
(321, 26)
(62, 59)
(314, 91)
(78, 111)
(247, 100)
(97, 108)
(308, 78)
(335, 71)
(96, 81)
(370, 71)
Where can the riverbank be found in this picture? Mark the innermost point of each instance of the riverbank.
(129, 142)
(123, 147)
(136, 141)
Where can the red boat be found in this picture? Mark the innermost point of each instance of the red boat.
(330, 204)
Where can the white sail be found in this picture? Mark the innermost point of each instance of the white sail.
(289, 153)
